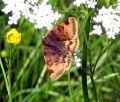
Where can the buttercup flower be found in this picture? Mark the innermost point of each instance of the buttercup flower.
(13, 36)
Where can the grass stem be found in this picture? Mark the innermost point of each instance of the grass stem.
(70, 89)
(6, 81)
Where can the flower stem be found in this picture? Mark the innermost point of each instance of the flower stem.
(94, 88)
(69, 84)
(84, 60)
(92, 78)
(9, 71)
(84, 75)
(6, 81)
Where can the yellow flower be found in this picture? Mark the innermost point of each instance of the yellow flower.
(13, 36)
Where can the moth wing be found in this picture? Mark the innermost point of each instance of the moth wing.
(56, 63)
(57, 46)
(72, 45)
(67, 30)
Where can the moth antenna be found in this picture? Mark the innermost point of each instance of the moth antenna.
(39, 35)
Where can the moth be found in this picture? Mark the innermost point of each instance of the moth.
(58, 45)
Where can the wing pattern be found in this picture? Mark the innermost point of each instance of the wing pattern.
(58, 45)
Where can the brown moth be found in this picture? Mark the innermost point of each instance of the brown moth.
(58, 45)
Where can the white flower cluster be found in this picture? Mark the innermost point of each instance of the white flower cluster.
(110, 20)
(90, 3)
(77, 60)
(41, 15)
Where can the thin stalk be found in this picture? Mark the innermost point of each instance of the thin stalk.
(84, 61)
(84, 75)
(41, 76)
(94, 88)
(9, 71)
(103, 50)
(70, 89)
(96, 62)
(6, 81)
(91, 76)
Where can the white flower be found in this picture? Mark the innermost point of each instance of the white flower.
(41, 15)
(77, 60)
(111, 34)
(110, 20)
(79, 2)
(25, 9)
(97, 29)
(32, 1)
(118, 1)
(90, 3)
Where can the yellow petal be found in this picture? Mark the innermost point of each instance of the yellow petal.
(13, 36)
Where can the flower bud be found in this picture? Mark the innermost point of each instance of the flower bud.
(4, 53)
